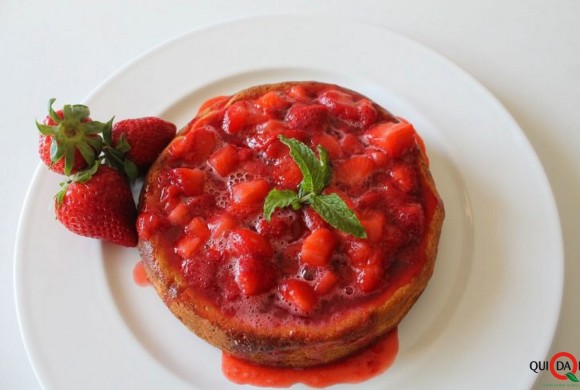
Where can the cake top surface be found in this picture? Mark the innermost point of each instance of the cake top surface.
(203, 203)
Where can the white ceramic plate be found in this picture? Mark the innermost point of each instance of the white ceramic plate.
(491, 307)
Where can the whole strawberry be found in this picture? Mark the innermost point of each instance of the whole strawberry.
(98, 203)
(69, 140)
(146, 137)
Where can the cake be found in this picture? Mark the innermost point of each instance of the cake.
(290, 288)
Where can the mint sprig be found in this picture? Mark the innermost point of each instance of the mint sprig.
(316, 174)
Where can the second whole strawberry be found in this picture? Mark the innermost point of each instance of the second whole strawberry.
(147, 138)
(98, 203)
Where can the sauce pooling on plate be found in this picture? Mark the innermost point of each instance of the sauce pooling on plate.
(358, 368)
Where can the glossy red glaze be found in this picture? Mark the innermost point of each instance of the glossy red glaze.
(223, 164)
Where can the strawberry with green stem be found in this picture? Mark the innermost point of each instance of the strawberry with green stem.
(69, 140)
(98, 203)
(132, 145)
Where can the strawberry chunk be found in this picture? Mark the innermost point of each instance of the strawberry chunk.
(188, 245)
(405, 178)
(351, 144)
(250, 194)
(283, 224)
(359, 252)
(268, 134)
(220, 225)
(224, 160)
(189, 180)
(341, 104)
(312, 219)
(374, 224)
(180, 215)
(235, 117)
(355, 170)
(299, 294)
(148, 224)
(195, 146)
(299, 93)
(379, 157)
(369, 276)
(198, 228)
(317, 248)
(325, 281)
(254, 275)
(306, 116)
(273, 101)
(395, 139)
(366, 112)
(245, 242)
(409, 216)
(329, 143)
(287, 173)
(242, 114)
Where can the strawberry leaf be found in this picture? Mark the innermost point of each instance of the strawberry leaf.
(130, 169)
(46, 129)
(53, 115)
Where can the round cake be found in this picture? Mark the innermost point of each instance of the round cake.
(291, 285)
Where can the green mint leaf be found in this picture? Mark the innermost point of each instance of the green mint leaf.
(314, 172)
(572, 377)
(279, 199)
(326, 171)
(334, 211)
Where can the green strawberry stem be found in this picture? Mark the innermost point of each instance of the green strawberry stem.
(73, 131)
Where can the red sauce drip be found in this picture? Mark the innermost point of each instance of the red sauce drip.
(140, 276)
(358, 368)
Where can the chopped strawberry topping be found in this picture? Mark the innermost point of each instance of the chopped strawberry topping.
(341, 104)
(224, 160)
(355, 170)
(394, 138)
(221, 224)
(180, 215)
(250, 194)
(374, 224)
(325, 281)
(195, 146)
(318, 247)
(273, 101)
(306, 116)
(190, 180)
(245, 242)
(254, 275)
(299, 294)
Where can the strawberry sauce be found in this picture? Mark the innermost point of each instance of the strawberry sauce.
(363, 366)
(139, 276)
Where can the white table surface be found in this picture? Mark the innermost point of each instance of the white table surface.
(526, 52)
